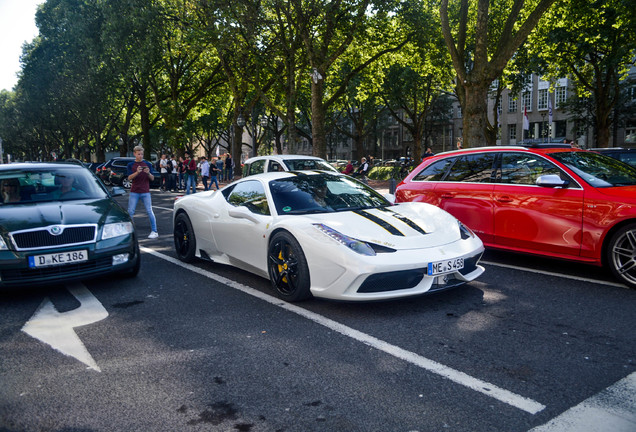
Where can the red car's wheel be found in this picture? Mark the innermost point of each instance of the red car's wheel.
(622, 255)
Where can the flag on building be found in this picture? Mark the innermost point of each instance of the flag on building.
(526, 122)
(499, 115)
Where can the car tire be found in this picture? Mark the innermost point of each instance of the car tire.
(287, 267)
(621, 255)
(126, 183)
(185, 242)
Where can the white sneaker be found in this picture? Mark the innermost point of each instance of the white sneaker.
(153, 235)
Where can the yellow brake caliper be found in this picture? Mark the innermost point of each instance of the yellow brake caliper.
(282, 267)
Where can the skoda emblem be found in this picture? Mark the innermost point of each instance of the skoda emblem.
(56, 230)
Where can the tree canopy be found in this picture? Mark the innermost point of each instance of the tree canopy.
(176, 74)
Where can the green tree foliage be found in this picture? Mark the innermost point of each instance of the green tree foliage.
(482, 36)
(593, 43)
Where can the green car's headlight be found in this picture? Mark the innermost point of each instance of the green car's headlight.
(3, 245)
(117, 229)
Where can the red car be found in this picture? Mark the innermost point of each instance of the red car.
(558, 202)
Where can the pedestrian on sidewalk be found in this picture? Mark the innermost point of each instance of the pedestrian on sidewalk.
(191, 173)
(229, 166)
(140, 176)
(214, 172)
(204, 168)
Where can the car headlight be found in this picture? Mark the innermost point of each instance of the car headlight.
(465, 232)
(3, 245)
(117, 229)
(355, 245)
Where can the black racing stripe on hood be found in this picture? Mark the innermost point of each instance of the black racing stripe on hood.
(404, 219)
(384, 224)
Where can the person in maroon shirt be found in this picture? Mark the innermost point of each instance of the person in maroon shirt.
(140, 177)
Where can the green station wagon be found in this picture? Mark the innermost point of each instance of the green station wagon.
(59, 223)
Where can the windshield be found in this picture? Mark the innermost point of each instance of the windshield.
(308, 165)
(322, 193)
(63, 183)
(598, 170)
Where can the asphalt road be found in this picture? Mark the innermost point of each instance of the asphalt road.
(206, 347)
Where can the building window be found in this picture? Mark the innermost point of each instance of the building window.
(512, 132)
(560, 96)
(542, 100)
(512, 104)
(526, 101)
(630, 136)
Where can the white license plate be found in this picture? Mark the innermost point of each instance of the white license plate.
(58, 258)
(446, 266)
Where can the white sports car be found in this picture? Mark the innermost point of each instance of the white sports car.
(326, 235)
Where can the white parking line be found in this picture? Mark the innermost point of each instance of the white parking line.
(561, 275)
(456, 376)
(613, 409)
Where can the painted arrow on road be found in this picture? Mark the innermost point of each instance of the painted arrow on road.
(56, 329)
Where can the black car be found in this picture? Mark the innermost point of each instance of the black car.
(627, 155)
(58, 223)
(115, 172)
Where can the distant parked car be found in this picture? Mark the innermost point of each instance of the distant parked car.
(279, 163)
(114, 172)
(627, 155)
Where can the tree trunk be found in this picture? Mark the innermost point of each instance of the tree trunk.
(318, 135)
(475, 117)
(144, 114)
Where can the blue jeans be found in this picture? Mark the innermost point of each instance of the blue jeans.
(213, 180)
(146, 199)
(191, 181)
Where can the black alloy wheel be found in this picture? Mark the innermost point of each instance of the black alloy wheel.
(288, 270)
(184, 240)
(621, 255)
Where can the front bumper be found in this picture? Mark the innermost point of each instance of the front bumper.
(15, 270)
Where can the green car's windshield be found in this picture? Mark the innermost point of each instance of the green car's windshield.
(596, 169)
(63, 183)
(322, 193)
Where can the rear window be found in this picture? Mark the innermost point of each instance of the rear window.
(473, 168)
(435, 171)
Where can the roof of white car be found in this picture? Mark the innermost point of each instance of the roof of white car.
(284, 156)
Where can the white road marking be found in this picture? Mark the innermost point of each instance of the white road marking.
(163, 208)
(56, 329)
(456, 376)
(561, 275)
(613, 409)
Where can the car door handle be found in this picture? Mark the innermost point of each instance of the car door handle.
(504, 199)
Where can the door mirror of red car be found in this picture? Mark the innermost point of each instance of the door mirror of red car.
(551, 180)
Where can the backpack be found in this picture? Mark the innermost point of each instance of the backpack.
(169, 166)
(158, 165)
